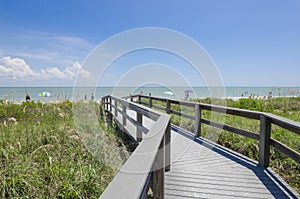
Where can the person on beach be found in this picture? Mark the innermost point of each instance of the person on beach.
(27, 98)
(187, 95)
(92, 96)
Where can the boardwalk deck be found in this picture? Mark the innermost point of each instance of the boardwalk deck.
(202, 169)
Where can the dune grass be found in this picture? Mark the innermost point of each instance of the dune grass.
(42, 156)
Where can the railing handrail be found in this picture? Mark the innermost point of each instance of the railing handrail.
(266, 119)
(149, 160)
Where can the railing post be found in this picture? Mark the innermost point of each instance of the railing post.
(109, 118)
(158, 181)
(168, 107)
(197, 120)
(116, 108)
(124, 115)
(110, 104)
(139, 99)
(131, 98)
(264, 141)
(139, 119)
(150, 102)
(104, 103)
(168, 148)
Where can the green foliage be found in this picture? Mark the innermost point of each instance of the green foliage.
(41, 155)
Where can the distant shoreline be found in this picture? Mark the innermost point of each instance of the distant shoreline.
(17, 94)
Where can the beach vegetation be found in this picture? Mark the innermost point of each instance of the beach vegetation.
(42, 156)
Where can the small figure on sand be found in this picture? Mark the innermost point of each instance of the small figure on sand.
(187, 95)
(92, 96)
(27, 98)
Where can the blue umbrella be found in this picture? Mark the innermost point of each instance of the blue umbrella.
(45, 94)
(188, 91)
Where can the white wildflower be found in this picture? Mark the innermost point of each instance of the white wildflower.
(12, 119)
(18, 145)
(50, 160)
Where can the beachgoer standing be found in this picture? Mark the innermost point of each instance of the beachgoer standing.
(187, 95)
(92, 96)
(27, 98)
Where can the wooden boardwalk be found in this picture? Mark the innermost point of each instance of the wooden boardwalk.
(198, 168)
(201, 169)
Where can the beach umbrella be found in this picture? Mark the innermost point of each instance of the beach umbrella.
(45, 94)
(168, 93)
(188, 91)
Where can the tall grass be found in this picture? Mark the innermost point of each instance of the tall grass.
(42, 156)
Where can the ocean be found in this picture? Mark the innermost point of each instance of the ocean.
(17, 94)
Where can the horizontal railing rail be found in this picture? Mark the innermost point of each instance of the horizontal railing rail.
(149, 161)
(266, 121)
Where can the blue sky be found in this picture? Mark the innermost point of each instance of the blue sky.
(252, 42)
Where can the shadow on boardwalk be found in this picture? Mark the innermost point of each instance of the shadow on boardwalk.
(221, 174)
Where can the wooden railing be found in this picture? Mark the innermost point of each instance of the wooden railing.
(147, 164)
(266, 119)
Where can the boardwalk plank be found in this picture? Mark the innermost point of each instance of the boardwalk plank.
(201, 169)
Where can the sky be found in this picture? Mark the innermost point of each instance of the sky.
(251, 42)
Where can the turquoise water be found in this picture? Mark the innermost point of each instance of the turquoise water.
(17, 94)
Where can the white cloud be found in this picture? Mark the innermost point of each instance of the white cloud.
(18, 68)
(15, 67)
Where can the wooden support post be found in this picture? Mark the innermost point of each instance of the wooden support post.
(197, 120)
(158, 181)
(104, 103)
(109, 118)
(139, 133)
(168, 148)
(264, 141)
(110, 109)
(116, 108)
(139, 99)
(150, 102)
(124, 115)
(131, 98)
(168, 107)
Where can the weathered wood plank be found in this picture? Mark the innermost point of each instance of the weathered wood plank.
(231, 129)
(286, 150)
(264, 141)
(133, 175)
(182, 114)
(284, 123)
(158, 107)
(139, 127)
(197, 127)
